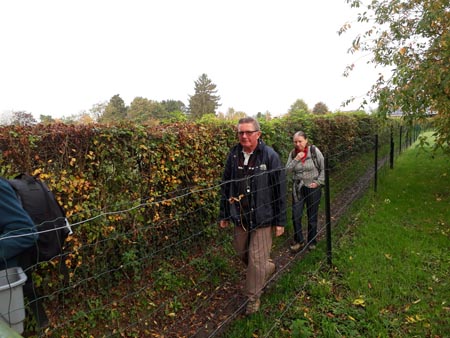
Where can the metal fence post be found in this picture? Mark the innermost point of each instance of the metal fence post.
(376, 164)
(328, 210)
(391, 154)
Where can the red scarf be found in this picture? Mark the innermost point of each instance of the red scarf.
(305, 153)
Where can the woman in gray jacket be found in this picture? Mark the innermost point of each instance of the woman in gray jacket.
(306, 163)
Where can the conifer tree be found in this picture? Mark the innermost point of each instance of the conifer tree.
(204, 101)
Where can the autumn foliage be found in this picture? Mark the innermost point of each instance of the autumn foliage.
(130, 182)
(138, 197)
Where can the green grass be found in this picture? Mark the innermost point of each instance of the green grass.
(391, 265)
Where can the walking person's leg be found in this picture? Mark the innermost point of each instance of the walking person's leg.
(297, 214)
(35, 301)
(240, 243)
(312, 209)
(260, 267)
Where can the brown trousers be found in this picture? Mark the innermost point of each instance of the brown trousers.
(253, 248)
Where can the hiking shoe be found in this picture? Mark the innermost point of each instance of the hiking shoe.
(297, 247)
(252, 306)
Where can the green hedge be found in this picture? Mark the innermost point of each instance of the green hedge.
(97, 171)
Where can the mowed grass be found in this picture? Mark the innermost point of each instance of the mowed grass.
(391, 265)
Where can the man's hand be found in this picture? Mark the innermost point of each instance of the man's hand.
(224, 223)
(279, 230)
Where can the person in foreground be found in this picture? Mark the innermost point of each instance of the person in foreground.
(253, 198)
(17, 230)
(18, 234)
(306, 163)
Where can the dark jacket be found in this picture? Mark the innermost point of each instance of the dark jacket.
(14, 221)
(267, 188)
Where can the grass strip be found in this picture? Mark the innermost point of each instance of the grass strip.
(390, 268)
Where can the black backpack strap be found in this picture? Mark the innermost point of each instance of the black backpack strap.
(314, 157)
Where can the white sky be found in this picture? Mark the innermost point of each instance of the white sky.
(60, 57)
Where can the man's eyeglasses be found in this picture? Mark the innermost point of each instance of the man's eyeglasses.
(247, 132)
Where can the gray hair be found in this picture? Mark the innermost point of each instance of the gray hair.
(251, 120)
(300, 133)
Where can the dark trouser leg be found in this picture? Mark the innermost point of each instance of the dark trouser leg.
(30, 293)
(35, 302)
(312, 209)
(297, 213)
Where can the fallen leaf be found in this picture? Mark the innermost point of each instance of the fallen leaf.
(410, 319)
(359, 302)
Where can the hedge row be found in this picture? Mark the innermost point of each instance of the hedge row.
(159, 175)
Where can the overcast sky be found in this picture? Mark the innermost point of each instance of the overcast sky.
(60, 58)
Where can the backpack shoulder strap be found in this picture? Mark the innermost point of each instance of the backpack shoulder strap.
(291, 154)
(314, 156)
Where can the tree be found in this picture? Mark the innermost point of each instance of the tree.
(412, 38)
(171, 106)
(98, 110)
(171, 111)
(85, 118)
(232, 114)
(298, 107)
(204, 101)
(144, 110)
(264, 116)
(115, 110)
(22, 118)
(174, 116)
(46, 119)
(320, 108)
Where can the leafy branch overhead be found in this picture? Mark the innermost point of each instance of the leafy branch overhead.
(412, 40)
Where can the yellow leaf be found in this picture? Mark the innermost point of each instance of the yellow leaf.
(359, 302)
(410, 319)
(388, 256)
(419, 318)
(351, 318)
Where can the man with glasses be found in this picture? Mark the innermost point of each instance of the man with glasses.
(253, 197)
